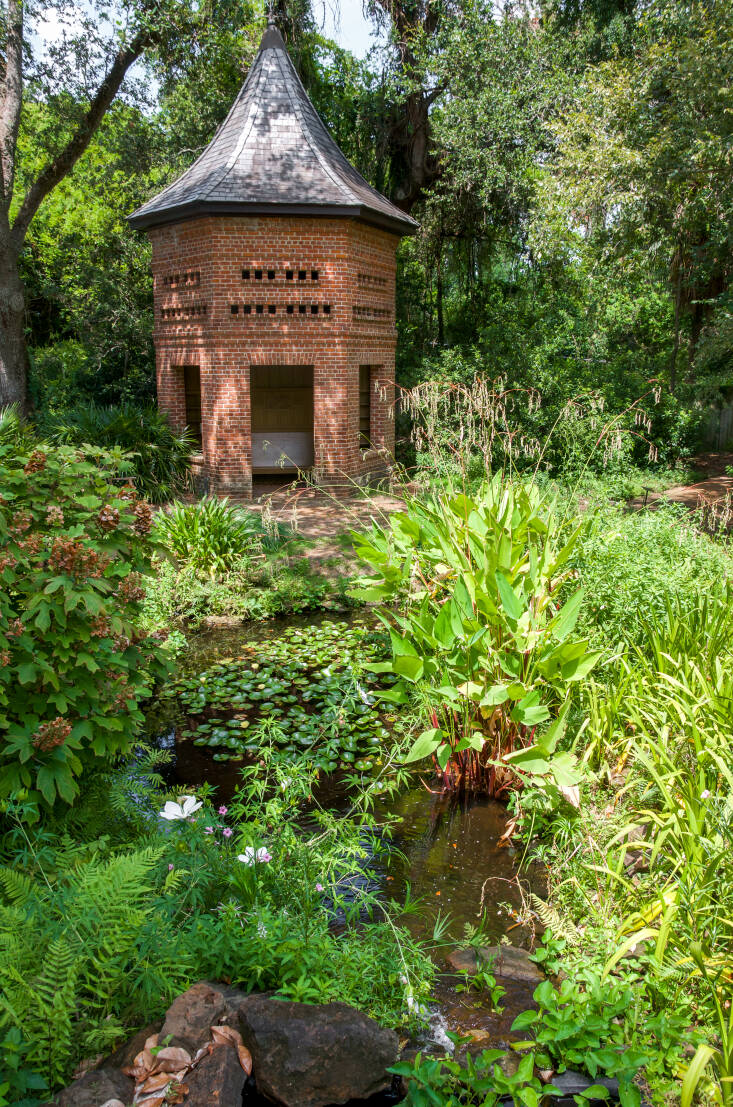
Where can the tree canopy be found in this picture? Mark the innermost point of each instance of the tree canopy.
(570, 168)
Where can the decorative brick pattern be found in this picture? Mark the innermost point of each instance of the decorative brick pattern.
(307, 291)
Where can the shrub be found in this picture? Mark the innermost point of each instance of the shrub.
(632, 564)
(98, 936)
(160, 457)
(212, 537)
(73, 665)
(480, 631)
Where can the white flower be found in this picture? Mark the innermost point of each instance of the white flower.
(252, 855)
(185, 807)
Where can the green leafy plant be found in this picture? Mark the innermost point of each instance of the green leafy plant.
(211, 536)
(160, 456)
(433, 1081)
(480, 634)
(18, 1082)
(74, 663)
(580, 1025)
(720, 1055)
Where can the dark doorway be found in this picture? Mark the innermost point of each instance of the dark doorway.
(282, 417)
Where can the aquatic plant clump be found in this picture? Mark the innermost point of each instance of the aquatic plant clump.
(306, 691)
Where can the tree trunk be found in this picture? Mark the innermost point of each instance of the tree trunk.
(13, 376)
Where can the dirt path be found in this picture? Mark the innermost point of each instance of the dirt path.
(714, 489)
(325, 520)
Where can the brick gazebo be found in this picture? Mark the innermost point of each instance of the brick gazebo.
(274, 291)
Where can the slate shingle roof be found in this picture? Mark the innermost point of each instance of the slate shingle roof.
(272, 155)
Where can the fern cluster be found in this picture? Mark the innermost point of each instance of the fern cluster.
(73, 969)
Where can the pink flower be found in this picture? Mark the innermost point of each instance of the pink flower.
(170, 868)
(319, 887)
(208, 830)
(227, 832)
(705, 794)
(223, 810)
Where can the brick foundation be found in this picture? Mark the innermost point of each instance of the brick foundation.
(335, 313)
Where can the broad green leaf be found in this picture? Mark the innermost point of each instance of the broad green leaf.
(411, 668)
(425, 745)
(401, 647)
(565, 620)
(443, 626)
(509, 599)
(495, 696)
(579, 667)
(444, 753)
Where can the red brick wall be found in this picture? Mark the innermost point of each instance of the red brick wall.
(197, 276)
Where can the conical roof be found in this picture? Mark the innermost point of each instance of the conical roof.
(272, 155)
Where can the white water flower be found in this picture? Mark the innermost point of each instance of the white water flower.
(251, 855)
(185, 807)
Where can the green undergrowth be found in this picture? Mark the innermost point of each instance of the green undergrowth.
(109, 914)
(253, 589)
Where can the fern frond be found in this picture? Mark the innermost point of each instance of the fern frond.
(552, 920)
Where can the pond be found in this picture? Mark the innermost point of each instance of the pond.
(447, 855)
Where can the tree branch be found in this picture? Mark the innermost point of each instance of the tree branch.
(57, 169)
(11, 99)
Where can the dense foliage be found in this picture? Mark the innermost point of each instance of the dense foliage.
(75, 666)
(100, 933)
(160, 458)
(554, 251)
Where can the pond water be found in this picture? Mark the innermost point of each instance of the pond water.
(447, 855)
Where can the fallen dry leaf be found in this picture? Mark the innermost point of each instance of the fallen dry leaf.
(113, 1103)
(572, 795)
(245, 1059)
(171, 1059)
(546, 1075)
(155, 1082)
(151, 1042)
(141, 1066)
(150, 1101)
(226, 1034)
(479, 1035)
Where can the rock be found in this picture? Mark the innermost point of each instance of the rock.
(312, 1055)
(575, 1083)
(223, 622)
(218, 1079)
(126, 1053)
(505, 962)
(95, 1088)
(192, 1014)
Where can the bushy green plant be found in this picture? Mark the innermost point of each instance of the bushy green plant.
(254, 588)
(445, 1082)
(160, 456)
(98, 934)
(480, 632)
(74, 665)
(19, 1084)
(631, 564)
(581, 1025)
(211, 536)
